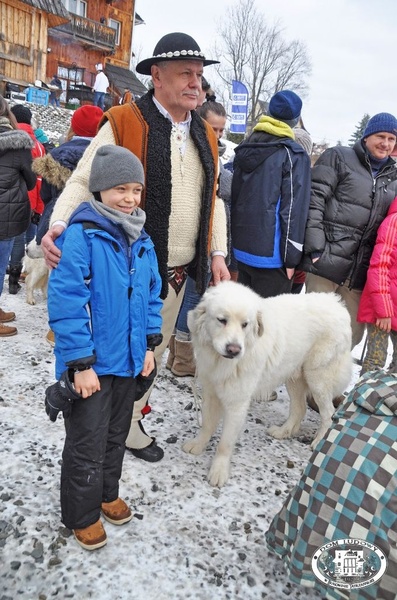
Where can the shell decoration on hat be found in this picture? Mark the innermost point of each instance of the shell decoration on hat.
(178, 53)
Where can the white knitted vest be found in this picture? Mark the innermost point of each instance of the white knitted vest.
(187, 189)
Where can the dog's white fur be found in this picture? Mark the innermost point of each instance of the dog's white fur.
(37, 272)
(246, 346)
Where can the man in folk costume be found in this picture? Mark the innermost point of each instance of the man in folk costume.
(184, 217)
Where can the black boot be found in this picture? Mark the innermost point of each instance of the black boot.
(13, 279)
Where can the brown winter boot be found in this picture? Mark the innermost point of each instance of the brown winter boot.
(116, 512)
(171, 353)
(7, 331)
(184, 364)
(91, 537)
(50, 337)
(6, 317)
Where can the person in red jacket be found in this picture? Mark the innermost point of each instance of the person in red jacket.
(23, 116)
(378, 303)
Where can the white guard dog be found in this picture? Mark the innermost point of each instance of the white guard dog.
(246, 346)
(37, 272)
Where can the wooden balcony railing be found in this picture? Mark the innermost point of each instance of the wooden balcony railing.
(89, 31)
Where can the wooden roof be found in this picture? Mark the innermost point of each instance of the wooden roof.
(123, 78)
(57, 13)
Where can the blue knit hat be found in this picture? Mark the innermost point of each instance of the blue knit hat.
(285, 106)
(381, 122)
(41, 136)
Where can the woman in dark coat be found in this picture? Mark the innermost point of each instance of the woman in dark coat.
(16, 178)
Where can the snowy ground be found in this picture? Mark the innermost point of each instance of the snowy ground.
(187, 541)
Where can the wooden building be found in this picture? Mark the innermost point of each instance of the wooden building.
(41, 38)
(23, 38)
(98, 32)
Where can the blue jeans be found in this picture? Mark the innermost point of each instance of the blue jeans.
(190, 301)
(5, 251)
(20, 241)
(54, 101)
(44, 222)
(99, 99)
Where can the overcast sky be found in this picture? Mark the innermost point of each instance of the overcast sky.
(352, 45)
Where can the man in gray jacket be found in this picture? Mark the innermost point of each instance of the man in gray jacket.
(352, 189)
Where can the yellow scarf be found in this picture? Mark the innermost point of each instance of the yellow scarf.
(274, 127)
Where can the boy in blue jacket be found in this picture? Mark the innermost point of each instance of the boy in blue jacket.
(104, 308)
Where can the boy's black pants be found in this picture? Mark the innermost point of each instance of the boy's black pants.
(94, 447)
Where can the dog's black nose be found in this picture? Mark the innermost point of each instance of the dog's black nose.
(233, 350)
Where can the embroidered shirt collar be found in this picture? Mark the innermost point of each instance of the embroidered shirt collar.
(167, 115)
(181, 130)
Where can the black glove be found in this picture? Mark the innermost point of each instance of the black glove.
(35, 217)
(59, 397)
(143, 383)
(153, 340)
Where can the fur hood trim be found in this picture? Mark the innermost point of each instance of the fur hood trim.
(14, 139)
(51, 170)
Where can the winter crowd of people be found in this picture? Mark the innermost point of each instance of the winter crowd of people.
(136, 215)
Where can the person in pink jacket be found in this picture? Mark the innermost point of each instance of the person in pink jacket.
(378, 303)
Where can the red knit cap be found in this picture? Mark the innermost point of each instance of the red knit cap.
(85, 120)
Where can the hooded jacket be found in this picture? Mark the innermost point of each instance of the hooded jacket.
(270, 198)
(379, 297)
(55, 169)
(16, 178)
(347, 206)
(57, 166)
(38, 150)
(104, 296)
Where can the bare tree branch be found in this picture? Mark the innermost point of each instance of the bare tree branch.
(255, 52)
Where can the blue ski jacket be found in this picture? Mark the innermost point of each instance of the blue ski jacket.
(104, 296)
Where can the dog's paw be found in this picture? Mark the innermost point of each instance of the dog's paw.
(193, 446)
(31, 301)
(219, 473)
(320, 436)
(315, 442)
(280, 433)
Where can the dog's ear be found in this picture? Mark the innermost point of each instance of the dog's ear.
(259, 320)
(195, 318)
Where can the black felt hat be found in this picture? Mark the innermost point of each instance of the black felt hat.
(174, 46)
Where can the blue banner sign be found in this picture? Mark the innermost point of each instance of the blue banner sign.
(239, 107)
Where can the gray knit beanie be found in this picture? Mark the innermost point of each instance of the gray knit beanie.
(303, 139)
(112, 166)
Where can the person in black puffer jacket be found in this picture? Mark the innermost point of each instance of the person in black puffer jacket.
(16, 179)
(352, 189)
